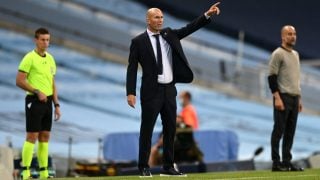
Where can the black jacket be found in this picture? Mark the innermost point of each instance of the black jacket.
(141, 52)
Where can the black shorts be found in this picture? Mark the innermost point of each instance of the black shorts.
(38, 114)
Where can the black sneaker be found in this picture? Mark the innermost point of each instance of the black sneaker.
(279, 167)
(172, 172)
(292, 167)
(29, 178)
(145, 173)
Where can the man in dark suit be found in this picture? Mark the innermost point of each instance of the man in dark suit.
(160, 54)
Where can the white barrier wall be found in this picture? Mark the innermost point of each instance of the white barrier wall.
(6, 163)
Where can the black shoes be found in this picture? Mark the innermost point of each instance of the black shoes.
(172, 172)
(285, 167)
(278, 167)
(145, 173)
(292, 167)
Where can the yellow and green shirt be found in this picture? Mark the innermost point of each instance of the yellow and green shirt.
(40, 71)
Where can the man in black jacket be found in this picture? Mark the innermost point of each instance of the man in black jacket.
(163, 62)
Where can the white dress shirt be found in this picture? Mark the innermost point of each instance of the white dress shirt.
(167, 75)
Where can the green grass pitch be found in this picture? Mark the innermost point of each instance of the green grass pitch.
(308, 174)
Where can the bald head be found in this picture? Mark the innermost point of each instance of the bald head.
(287, 28)
(288, 36)
(152, 11)
(154, 20)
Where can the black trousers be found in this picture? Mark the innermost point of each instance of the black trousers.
(164, 103)
(284, 127)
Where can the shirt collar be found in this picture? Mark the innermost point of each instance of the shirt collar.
(151, 33)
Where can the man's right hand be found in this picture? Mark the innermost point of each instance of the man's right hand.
(131, 100)
(214, 9)
(278, 104)
(42, 97)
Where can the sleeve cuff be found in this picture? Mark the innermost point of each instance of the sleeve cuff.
(207, 16)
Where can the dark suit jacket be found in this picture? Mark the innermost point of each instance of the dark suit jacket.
(141, 52)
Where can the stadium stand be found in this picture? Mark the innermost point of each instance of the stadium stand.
(260, 21)
(93, 100)
(221, 68)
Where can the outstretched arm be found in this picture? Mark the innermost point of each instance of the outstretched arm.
(198, 23)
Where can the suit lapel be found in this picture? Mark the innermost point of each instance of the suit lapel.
(149, 45)
(164, 35)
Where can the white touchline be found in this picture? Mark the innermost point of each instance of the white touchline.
(271, 177)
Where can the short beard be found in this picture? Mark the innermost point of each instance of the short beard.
(291, 45)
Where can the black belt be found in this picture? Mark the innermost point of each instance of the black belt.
(36, 96)
(165, 85)
(290, 95)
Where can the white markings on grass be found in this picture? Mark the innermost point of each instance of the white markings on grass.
(271, 177)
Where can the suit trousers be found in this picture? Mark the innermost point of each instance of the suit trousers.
(284, 127)
(163, 103)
